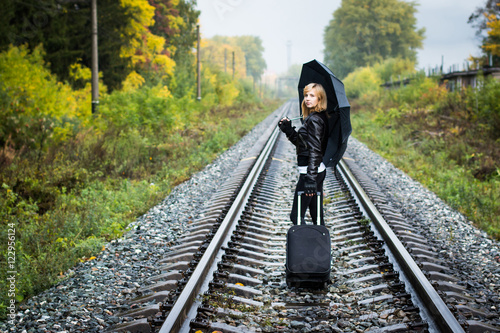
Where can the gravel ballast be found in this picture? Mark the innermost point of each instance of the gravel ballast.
(473, 255)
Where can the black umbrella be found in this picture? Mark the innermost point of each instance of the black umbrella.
(339, 126)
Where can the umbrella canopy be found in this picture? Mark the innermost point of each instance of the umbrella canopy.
(339, 127)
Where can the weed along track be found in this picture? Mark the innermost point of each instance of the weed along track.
(227, 272)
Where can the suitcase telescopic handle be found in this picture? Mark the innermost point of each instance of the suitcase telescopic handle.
(299, 195)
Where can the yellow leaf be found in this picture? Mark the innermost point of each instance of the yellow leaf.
(133, 81)
(163, 92)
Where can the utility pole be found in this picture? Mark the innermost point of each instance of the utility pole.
(95, 66)
(225, 60)
(289, 53)
(233, 65)
(198, 64)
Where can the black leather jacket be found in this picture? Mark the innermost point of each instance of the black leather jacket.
(311, 140)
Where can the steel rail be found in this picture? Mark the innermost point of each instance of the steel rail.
(186, 299)
(442, 316)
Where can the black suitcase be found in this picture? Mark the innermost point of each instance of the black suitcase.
(308, 254)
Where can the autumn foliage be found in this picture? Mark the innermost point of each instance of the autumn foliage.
(492, 43)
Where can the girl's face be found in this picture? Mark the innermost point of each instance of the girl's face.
(311, 99)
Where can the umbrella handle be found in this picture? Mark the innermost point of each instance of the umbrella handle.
(295, 118)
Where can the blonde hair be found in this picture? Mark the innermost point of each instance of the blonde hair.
(322, 101)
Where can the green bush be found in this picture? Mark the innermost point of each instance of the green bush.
(366, 81)
(422, 94)
(483, 104)
(394, 69)
(362, 81)
(143, 109)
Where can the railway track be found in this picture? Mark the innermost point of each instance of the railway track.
(227, 272)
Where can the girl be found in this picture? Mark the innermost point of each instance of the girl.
(310, 142)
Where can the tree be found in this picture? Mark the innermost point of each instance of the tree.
(478, 18)
(252, 46)
(186, 37)
(183, 38)
(220, 55)
(487, 19)
(252, 49)
(134, 35)
(64, 30)
(364, 32)
(492, 43)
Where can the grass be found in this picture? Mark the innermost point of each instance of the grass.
(446, 162)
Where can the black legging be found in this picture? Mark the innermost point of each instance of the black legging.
(310, 202)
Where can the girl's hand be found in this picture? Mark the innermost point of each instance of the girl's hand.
(285, 119)
(310, 188)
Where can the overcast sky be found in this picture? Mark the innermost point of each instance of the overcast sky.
(300, 25)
